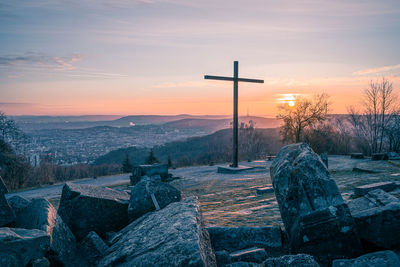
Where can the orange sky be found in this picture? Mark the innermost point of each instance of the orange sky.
(149, 57)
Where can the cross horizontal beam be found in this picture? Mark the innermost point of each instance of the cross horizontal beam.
(222, 78)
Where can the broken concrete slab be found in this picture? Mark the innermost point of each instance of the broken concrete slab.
(18, 247)
(86, 208)
(385, 186)
(254, 254)
(386, 258)
(377, 217)
(316, 218)
(299, 260)
(173, 236)
(239, 238)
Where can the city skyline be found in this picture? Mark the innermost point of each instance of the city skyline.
(149, 57)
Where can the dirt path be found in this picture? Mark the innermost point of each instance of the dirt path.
(54, 191)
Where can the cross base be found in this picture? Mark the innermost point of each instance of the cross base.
(233, 170)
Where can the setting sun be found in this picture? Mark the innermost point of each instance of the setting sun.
(291, 103)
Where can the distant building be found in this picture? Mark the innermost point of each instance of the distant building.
(34, 160)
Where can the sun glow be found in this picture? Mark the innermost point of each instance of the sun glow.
(289, 99)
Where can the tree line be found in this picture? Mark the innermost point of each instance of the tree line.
(17, 172)
(374, 127)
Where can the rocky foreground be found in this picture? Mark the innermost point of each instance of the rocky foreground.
(153, 226)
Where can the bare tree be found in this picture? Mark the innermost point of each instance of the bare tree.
(303, 115)
(380, 109)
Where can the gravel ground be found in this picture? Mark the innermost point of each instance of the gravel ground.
(231, 199)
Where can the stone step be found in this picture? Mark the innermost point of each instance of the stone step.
(264, 190)
(364, 189)
(249, 255)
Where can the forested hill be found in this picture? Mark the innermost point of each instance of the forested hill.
(213, 148)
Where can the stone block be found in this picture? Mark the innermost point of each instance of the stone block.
(264, 190)
(385, 186)
(41, 215)
(86, 208)
(377, 217)
(92, 248)
(379, 156)
(357, 155)
(151, 194)
(19, 247)
(7, 215)
(316, 218)
(173, 236)
(238, 238)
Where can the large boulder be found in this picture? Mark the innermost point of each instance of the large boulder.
(173, 236)
(19, 247)
(41, 215)
(238, 238)
(142, 201)
(377, 216)
(384, 258)
(316, 218)
(299, 260)
(7, 215)
(86, 208)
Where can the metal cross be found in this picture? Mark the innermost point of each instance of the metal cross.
(235, 79)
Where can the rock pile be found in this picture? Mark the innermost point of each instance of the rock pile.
(153, 226)
(170, 234)
(377, 217)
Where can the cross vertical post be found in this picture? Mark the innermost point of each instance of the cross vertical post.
(235, 79)
(235, 114)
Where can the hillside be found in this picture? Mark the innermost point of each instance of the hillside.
(213, 148)
(32, 123)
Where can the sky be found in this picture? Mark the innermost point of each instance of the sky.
(82, 57)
